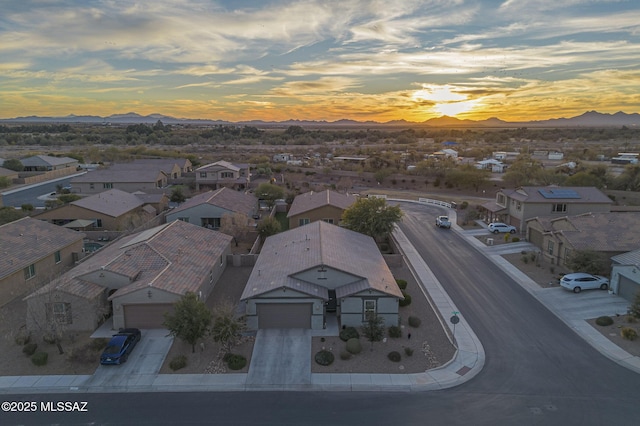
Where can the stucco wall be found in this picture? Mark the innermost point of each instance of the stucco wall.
(196, 213)
(321, 213)
(86, 315)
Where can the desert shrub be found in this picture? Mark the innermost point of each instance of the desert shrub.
(464, 205)
(324, 358)
(515, 239)
(525, 259)
(345, 355)
(49, 338)
(408, 351)
(628, 333)
(414, 322)
(506, 237)
(394, 356)
(630, 318)
(178, 362)
(395, 331)
(29, 349)
(236, 362)
(22, 338)
(402, 284)
(532, 256)
(40, 358)
(604, 320)
(349, 333)
(354, 346)
(407, 299)
(98, 344)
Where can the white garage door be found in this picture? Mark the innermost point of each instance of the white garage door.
(284, 315)
(627, 288)
(146, 315)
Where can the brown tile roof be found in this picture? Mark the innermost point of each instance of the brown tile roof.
(113, 202)
(532, 194)
(313, 200)
(122, 176)
(219, 165)
(27, 240)
(287, 254)
(175, 257)
(225, 198)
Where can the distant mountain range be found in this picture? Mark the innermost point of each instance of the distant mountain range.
(588, 119)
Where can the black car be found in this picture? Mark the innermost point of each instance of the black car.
(120, 346)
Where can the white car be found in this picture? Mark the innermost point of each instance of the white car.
(501, 227)
(582, 281)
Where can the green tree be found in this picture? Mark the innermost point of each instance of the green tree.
(589, 261)
(9, 214)
(190, 320)
(227, 326)
(373, 329)
(468, 176)
(13, 164)
(267, 227)
(634, 309)
(523, 171)
(177, 195)
(372, 216)
(5, 182)
(269, 193)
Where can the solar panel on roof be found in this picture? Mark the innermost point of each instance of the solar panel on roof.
(558, 193)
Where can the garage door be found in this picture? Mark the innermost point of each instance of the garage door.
(627, 288)
(146, 316)
(535, 237)
(284, 315)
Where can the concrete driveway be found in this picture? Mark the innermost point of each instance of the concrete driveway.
(143, 364)
(281, 357)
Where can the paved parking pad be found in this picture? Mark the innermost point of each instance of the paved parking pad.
(281, 357)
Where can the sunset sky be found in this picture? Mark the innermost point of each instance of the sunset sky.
(320, 59)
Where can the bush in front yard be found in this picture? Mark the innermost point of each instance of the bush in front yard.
(178, 362)
(22, 338)
(407, 299)
(324, 358)
(349, 333)
(345, 355)
(29, 349)
(394, 356)
(235, 361)
(414, 322)
(40, 358)
(354, 346)
(604, 320)
(395, 331)
(628, 333)
(402, 284)
(408, 351)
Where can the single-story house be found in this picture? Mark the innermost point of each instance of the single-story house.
(172, 167)
(33, 252)
(609, 233)
(207, 209)
(494, 165)
(47, 163)
(324, 205)
(223, 174)
(9, 174)
(111, 210)
(305, 274)
(625, 275)
(128, 180)
(136, 279)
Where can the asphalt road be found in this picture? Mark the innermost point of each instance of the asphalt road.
(537, 370)
(30, 194)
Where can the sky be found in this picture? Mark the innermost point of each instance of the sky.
(362, 60)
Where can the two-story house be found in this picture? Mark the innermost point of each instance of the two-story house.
(311, 206)
(515, 206)
(223, 174)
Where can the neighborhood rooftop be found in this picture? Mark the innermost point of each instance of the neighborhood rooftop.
(312, 200)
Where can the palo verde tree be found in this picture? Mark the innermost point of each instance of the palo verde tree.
(267, 227)
(269, 193)
(227, 326)
(190, 320)
(373, 328)
(372, 217)
(588, 261)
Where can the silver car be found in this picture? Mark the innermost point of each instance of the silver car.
(582, 281)
(496, 227)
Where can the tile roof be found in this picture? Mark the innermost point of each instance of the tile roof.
(289, 253)
(27, 240)
(160, 164)
(531, 194)
(123, 176)
(46, 160)
(218, 165)
(226, 198)
(174, 257)
(7, 172)
(313, 200)
(628, 258)
(113, 202)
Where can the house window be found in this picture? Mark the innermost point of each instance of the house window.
(226, 175)
(211, 222)
(501, 199)
(59, 312)
(567, 253)
(550, 247)
(30, 272)
(328, 220)
(518, 206)
(57, 256)
(184, 219)
(559, 208)
(302, 222)
(92, 186)
(107, 185)
(97, 223)
(369, 308)
(203, 174)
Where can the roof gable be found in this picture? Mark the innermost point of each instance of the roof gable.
(113, 202)
(313, 200)
(225, 198)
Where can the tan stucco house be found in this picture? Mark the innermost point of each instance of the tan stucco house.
(128, 180)
(33, 252)
(223, 174)
(625, 275)
(306, 274)
(515, 206)
(312, 206)
(135, 279)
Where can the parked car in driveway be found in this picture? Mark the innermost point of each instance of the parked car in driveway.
(582, 281)
(501, 227)
(120, 346)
